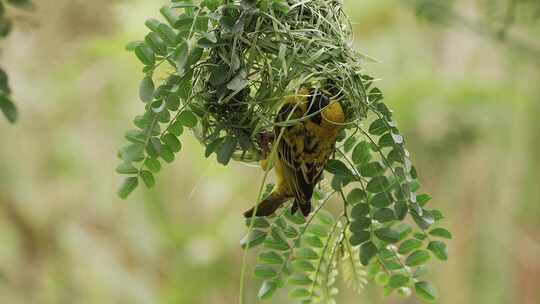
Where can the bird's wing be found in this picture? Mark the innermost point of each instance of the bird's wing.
(300, 172)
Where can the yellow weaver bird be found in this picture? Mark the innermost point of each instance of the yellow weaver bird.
(302, 150)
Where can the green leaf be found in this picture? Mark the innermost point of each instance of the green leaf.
(313, 241)
(166, 153)
(145, 54)
(211, 4)
(396, 155)
(181, 56)
(295, 218)
(148, 179)
(152, 164)
(183, 5)
(265, 272)
(8, 108)
(359, 237)
(300, 280)
(441, 232)
(176, 128)
(167, 34)
(349, 143)
(437, 215)
(420, 236)
(290, 232)
(188, 119)
(126, 168)
(227, 149)
(213, 146)
(173, 102)
(136, 136)
(267, 290)
(303, 265)
(421, 271)
(156, 43)
(172, 142)
(184, 23)
(159, 107)
(128, 186)
(270, 257)
(338, 168)
(360, 210)
(278, 235)
(5, 26)
(404, 230)
(382, 200)
(208, 40)
(325, 217)
(319, 230)
(439, 250)
(276, 245)
(384, 215)
(258, 222)
(361, 153)
(382, 278)
(401, 210)
(152, 24)
(147, 89)
(409, 246)
(367, 252)
(134, 152)
(372, 169)
(4, 85)
(423, 199)
(360, 224)
(424, 221)
(426, 291)
(338, 182)
(307, 254)
(378, 127)
(387, 234)
(254, 238)
(378, 184)
(417, 258)
(169, 14)
(299, 293)
(386, 140)
(398, 280)
(356, 196)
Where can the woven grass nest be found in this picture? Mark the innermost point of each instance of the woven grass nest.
(256, 53)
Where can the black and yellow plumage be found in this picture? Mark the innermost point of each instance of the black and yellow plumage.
(304, 148)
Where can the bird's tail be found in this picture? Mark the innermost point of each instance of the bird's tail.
(305, 208)
(268, 206)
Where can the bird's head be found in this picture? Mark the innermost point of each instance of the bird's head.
(329, 112)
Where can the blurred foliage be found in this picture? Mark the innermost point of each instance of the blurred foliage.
(467, 105)
(495, 19)
(6, 105)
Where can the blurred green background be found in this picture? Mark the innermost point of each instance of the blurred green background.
(467, 101)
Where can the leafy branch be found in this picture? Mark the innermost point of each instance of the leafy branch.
(233, 64)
